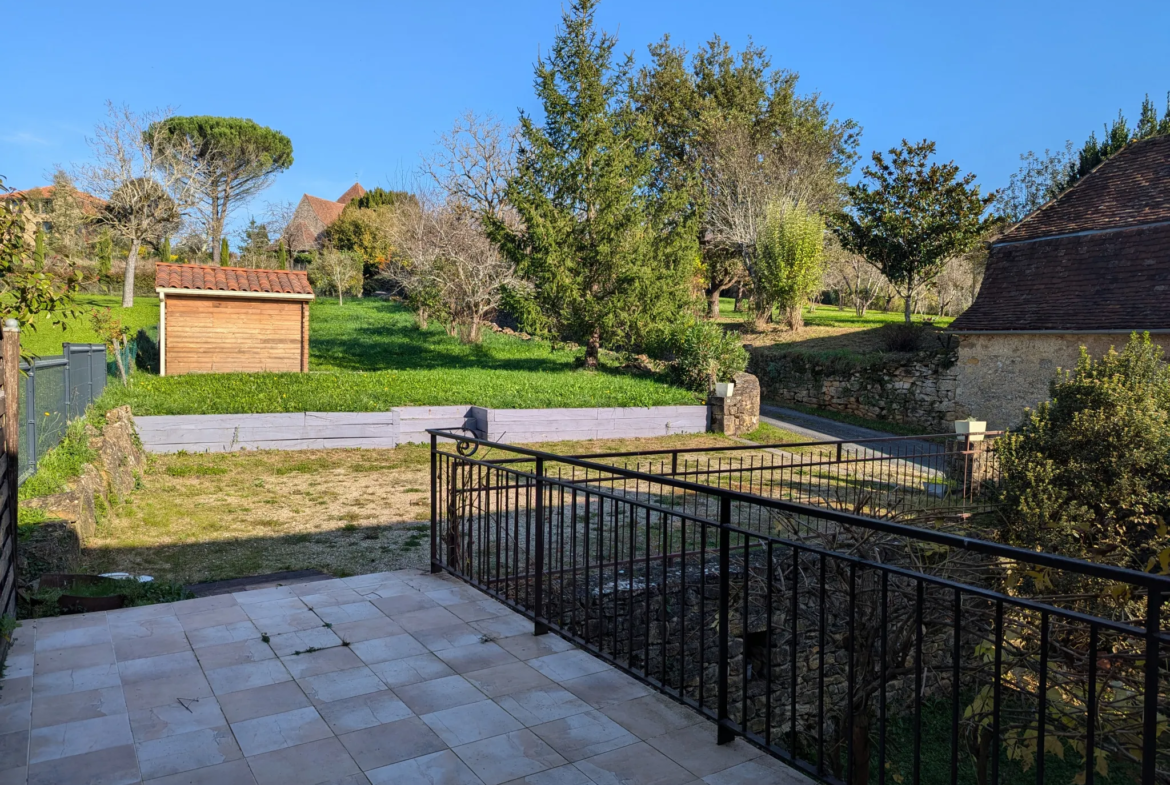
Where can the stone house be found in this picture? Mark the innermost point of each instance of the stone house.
(306, 229)
(1087, 269)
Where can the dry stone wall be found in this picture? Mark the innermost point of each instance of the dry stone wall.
(910, 389)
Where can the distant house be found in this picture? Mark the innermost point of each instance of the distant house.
(306, 230)
(1086, 269)
(40, 201)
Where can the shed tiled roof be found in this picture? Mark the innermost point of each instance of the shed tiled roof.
(1083, 282)
(198, 277)
(1131, 188)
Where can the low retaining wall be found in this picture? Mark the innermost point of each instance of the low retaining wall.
(917, 390)
(407, 424)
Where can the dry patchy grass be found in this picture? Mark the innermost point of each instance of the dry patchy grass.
(210, 517)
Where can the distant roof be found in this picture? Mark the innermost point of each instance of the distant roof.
(326, 210)
(354, 192)
(88, 201)
(1130, 188)
(205, 278)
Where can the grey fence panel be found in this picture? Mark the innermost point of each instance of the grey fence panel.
(54, 391)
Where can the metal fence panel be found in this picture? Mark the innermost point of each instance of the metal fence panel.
(54, 391)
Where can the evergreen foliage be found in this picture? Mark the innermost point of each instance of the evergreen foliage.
(1087, 474)
(609, 256)
(380, 197)
(39, 248)
(164, 253)
(225, 253)
(1116, 136)
(910, 216)
(281, 255)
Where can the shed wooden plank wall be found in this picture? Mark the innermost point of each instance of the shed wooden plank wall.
(225, 334)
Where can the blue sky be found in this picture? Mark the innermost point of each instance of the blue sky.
(362, 89)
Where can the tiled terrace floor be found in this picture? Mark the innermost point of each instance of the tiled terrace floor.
(438, 685)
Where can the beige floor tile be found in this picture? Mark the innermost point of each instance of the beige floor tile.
(652, 716)
(562, 775)
(276, 607)
(317, 637)
(476, 609)
(78, 738)
(568, 665)
(503, 626)
(438, 768)
(475, 657)
(161, 667)
(225, 655)
(163, 692)
(75, 706)
(411, 670)
(503, 758)
(186, 751)
(367, 629)
(313, 663)
(395, 647)
(277, 731)
(758, 772)
(363, 711)
(438, 694)
(223, 634)
(584, 735)
(236, 772)
(318, 598)
(122, 628)
(505, 679)
(383, 745)
(529, 646)
(187, 607)
(288, 622)
(111, 766)
(176, 718)
(606, 688)
(355, 611)
(426, 619)
(247, 676)
(94, 677)
(152, 646)
(448, 637)
(16, 716)
(14, 749)
(403, 603)
(262, 701)
(218, 617)
(70, 658)
(324, 761)
(475, 721)
(637, 764)
(338, 685)
(542, 704)
(695, 749)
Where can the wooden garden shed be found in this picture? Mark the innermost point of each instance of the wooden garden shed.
(225, 319)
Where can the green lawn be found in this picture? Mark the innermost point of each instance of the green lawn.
(832, 316)
(368, 355)
(46, 339)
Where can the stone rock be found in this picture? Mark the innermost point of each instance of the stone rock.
(739, 413)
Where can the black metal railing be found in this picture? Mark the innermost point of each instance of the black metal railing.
(855, 648)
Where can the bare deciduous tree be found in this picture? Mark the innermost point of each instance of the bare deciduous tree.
(859, 283)
(473, 163)
(337, 272)
(147, 190)
(445, 256)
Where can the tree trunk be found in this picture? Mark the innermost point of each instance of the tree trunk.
(593, 350)
(128, 277)
(794, 317)
(119, 350)
(738, 299)
(713, 307)
(421, 317)
(861, 745)
(909, 304)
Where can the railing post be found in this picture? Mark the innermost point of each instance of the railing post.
(1150, 720)
(435, 504)
(723, 733)
(539, 628)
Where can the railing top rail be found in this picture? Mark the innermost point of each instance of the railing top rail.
(1040, 558)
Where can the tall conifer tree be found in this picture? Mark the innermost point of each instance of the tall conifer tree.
(609, 257)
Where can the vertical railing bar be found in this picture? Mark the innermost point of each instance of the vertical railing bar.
(723, 733)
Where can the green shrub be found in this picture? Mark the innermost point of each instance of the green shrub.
(705, 353)
(1088, 473)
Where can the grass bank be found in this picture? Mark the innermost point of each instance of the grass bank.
(44, 339)
(368, 355)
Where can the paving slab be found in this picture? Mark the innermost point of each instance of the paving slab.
(385, 678)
